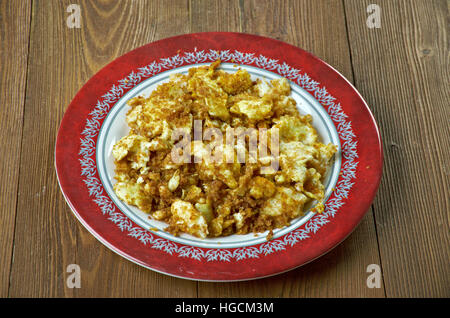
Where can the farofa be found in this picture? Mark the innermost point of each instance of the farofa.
(211, 199)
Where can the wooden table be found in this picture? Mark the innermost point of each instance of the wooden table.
(401, 69)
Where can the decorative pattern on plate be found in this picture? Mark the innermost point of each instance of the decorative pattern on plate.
(102, 200)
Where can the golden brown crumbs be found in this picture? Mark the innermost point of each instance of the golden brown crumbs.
(205, 198)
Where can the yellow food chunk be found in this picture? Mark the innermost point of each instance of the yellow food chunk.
(234, 83)
(174, 181)
(280, 86)
(208, 91)
(294, 128)
(293, 158)
(134, 146)
(254, 109)
(132, 193)
(261, 188)
(285, 200)
(188, 219)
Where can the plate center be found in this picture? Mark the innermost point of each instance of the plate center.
(115, 127)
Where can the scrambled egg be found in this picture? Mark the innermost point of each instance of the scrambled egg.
(207, 197)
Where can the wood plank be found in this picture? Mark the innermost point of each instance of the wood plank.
(402, 70)
(214, 15)
(318, 27)
(15, 17)
(48, 237)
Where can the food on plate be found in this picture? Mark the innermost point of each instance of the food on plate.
(213, 153)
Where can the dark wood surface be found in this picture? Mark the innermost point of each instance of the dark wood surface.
(401, 69)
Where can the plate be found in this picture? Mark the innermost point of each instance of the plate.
(94, 121)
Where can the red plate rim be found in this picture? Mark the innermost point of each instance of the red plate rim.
(361, 148)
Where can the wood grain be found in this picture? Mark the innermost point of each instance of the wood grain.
(342, 272)
(15, 19)
(402, 70)
(48, 237)
(214, 15)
